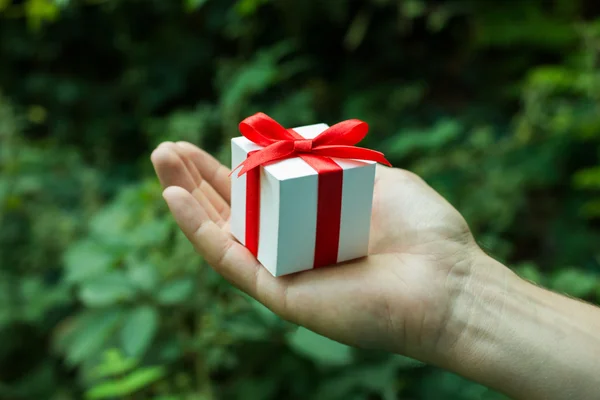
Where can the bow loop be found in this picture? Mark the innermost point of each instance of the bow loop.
(263, 130)
(347, 133)
(279, 143)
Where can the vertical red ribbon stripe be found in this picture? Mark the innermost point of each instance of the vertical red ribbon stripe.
(329, 207)
(252, 208)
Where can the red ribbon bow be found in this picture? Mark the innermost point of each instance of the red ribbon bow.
(279, 143)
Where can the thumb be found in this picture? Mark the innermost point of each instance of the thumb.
(226, 256)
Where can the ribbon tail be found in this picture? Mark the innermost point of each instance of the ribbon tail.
(274, 152)
(235, 169)
(358, 153)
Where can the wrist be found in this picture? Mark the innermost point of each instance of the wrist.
(478, 309)
(513, 336)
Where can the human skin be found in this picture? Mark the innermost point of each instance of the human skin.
(426, 289)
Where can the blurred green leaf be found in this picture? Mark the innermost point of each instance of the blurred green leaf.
(85, 260)
(245, 328)
(62, 3)
(357, 30)
(588, 178)
(112, 223)
(114, 364)
(380, 379)
(90, 335)
(150, 233)
(139, 330)
(407, 141)
(574, 282)
(143, 275)
(552, 78)
(191, 5)
(413, 8)
(591, 209)
(438, 18)
(127, 385)
(40, 11)
(264, 70)
(175, 291)
(530, 271)
(110, 288)
(248, 7)
(319, 349)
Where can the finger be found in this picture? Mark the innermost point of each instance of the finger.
(192, 180)
(216, 200)
(170, 169)
(209, 208)
(198, 182)
(191, 168)
(215, 173)
(187, 152)
(229, 258)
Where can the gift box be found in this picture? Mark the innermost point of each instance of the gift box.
(301, 198)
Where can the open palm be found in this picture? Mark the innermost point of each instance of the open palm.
(399, 298)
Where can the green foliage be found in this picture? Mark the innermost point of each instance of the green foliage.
(139, 329)
(496, 105)
(574, 282)
(120, 377)
(320, 349)
(530, 272)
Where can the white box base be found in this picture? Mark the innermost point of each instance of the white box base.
(288, 207)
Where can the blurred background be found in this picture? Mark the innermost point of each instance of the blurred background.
(494, 103)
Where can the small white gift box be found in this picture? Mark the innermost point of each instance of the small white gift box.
(294, 218)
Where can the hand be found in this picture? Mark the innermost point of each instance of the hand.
(426, 289)
(398, 298)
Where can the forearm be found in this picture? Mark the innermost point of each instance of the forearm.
(524, 340)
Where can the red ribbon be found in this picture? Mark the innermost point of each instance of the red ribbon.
(279, 143)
